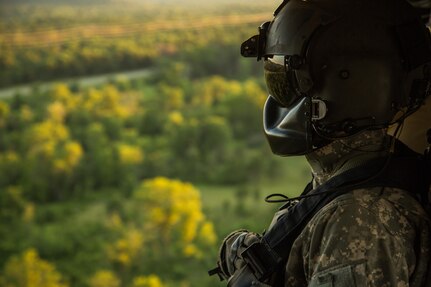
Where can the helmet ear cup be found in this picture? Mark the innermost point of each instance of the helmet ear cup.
(358, 71)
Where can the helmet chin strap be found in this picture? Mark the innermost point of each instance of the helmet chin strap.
(346, 128)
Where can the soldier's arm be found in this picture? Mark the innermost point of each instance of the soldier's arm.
(355, 243)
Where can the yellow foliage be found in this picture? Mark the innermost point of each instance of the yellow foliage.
(93, 99)
(32, 56)
(158, 216)
(111, 104)
(4, 113)
(107, 102)
(216, 121)
(28, 214)
(104, 278)
(61, 92)
(70, 155)
(174, 97)
(56, 111)
(26, 113)
(191, 225)
(207, 233)
(253, 91)
(114, 221)
(47, 149)
(191, 250)
(15, 192)
(9, 58)
(50, 140)
(215, 89)
(9, 157)
(29, 270)
(176, 118)
(130, 154)
(147, 281)
(126, 249)
(60, 166)
(73, 153)
(174, 207)
(48, 131)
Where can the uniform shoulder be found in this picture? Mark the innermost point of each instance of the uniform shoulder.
(376, 200)
(372, 228)
(389, 210)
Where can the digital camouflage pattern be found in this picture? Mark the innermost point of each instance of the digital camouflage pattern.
(347, 153)
(376, 237)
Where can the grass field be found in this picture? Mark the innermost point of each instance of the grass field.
(234, 207)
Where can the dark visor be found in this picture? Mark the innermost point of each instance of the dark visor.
(281, 81)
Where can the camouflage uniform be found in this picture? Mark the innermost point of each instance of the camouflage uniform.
(376, 237)
(371, 237)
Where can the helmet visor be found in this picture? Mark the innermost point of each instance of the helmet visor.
(280, 80)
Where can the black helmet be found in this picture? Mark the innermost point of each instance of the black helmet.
(335, 67)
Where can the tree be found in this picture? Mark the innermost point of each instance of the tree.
(174, 215)
(29, 270)
(147, 281)
(52, 158)
(104, 278)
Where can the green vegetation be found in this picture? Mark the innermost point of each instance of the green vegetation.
(132, 182)
(100, 38)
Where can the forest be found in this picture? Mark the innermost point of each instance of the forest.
(132, 182)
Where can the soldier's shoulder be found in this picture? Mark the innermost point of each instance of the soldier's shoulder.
(392, 209)
(357, 228)
(379, 199)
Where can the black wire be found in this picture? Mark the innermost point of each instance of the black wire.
(399, 121)
(412, 109)
(284, 198)
(288, 199)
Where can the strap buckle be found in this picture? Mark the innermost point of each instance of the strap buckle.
(261, 259)
(217, 271)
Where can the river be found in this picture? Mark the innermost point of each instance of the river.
(86, 81)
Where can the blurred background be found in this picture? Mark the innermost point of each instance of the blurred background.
(131, 140)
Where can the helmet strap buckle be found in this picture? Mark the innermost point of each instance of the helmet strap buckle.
(318, 109)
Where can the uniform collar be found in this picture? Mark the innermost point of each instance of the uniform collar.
(347, 153)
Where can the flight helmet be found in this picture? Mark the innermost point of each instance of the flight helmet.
(334, 68)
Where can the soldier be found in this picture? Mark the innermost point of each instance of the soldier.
(339, 74)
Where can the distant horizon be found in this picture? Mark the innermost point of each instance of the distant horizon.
(80, 2)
